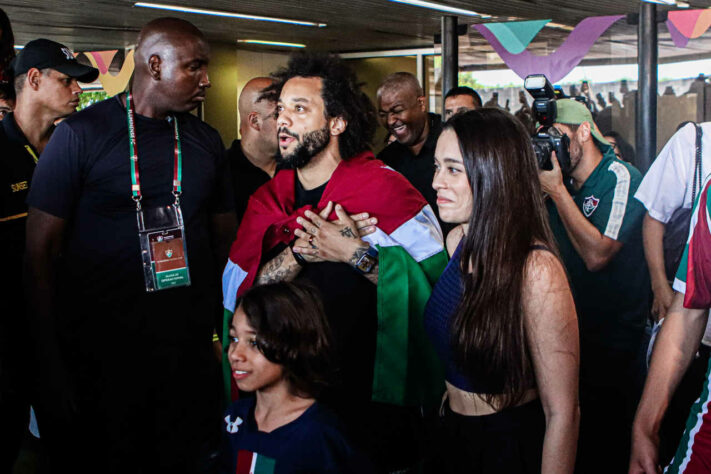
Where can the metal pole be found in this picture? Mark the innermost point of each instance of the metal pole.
(646, 136)
(450, 55)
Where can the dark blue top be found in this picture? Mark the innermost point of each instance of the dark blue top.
(443, 302)
(313, 443)
(440, 308)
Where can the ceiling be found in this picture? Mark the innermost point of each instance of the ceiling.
(355, 25)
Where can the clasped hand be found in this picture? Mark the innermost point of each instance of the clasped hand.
(334, 241)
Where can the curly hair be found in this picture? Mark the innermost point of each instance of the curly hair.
(341, 93)
(292, 331)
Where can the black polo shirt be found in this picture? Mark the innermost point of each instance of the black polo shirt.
(246, 178)
(17, 164)
(418, 169)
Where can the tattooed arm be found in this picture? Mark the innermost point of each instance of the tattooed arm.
(283, 267)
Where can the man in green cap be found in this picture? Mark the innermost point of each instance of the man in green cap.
(598, 226)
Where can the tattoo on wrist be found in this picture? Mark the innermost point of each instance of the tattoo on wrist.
(273, 271)
(347, 232)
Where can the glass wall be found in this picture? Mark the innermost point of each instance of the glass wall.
(607, 77)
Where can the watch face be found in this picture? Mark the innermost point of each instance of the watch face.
(365, 263)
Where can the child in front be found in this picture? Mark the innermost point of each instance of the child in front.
(280, 348)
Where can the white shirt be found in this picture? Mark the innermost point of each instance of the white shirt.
(668, 184)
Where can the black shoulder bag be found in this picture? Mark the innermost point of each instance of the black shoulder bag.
(676, 231)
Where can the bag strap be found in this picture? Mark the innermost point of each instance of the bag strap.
(697, 168)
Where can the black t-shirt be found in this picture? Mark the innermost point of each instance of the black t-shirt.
(246, 178)
(350, 302)
(389, 434)
(418, 169)
(84, 177)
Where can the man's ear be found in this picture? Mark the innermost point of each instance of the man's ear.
(253, 121)
(584, 132)
(337, 125)
(423, 103)
(154, 63)
(34, 76)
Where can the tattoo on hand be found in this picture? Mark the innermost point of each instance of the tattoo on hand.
(347, 232)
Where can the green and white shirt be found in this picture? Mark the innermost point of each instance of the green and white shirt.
(612, 303)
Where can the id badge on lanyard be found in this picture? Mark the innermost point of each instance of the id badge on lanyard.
(161, 230)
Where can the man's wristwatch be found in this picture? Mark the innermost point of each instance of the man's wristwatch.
(367, 261)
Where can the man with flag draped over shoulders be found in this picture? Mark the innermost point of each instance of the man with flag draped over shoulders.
(360, 233)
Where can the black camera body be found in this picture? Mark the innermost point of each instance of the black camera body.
(547, 139)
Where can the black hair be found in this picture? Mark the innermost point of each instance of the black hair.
(627, 152)
(292, 331)
(19, 80)
(341, 93)
(508, 216)
(464, 90)
(7, 47)
(7, 91)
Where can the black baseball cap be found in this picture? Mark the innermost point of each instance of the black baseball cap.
(43, 53)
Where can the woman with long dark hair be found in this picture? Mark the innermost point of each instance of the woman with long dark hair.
(501, 316)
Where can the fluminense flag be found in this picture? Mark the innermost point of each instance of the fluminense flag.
(694, 274)
(411, 258)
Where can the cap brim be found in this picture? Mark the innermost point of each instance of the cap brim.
(78, 71)
(598, 135)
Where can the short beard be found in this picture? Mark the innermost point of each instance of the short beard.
(312, 144)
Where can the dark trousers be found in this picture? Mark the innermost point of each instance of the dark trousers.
(510, 441)
(393, 438)
(14, 420)
(610, 388)
(153, 409)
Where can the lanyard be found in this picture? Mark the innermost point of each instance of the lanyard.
(177, 162)
(32, 153)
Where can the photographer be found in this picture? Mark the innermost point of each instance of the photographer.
(597, 224)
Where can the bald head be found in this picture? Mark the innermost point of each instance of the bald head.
(163, 35)
(401, 81)
(171, 59)
(249, 98)
(257, 124)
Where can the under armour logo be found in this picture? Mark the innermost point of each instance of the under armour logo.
(68, 53)
(232, 426)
